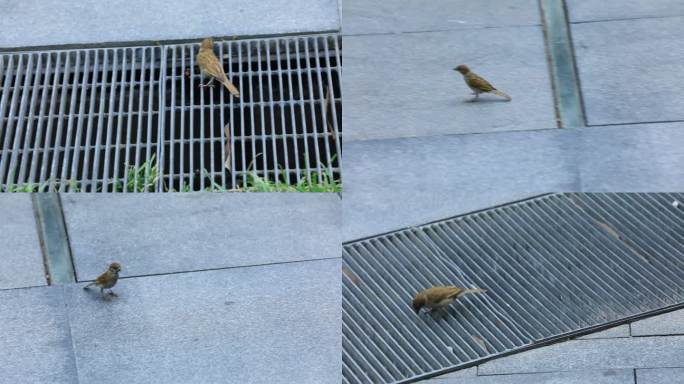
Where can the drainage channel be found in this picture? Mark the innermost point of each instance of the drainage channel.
(54, 241)
(567, 94)
(555, 266)
(134, 119)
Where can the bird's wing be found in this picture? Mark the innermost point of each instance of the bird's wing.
(479, 83)
(452, 292)
(102, 279)
(439, 294)
(211, 65)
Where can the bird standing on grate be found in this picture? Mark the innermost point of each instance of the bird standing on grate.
(440, 297)
(107, 280)
(210, 66)
(478, 84)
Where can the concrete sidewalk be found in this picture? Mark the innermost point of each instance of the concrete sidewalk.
(647, 351)
(45, 23)
(213, 289)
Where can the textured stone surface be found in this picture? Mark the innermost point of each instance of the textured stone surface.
(35, 342)
(636, 158)
(639, 87)
(404, 85)
(265, 324)
(671, 323)
(21, 259)
(391, 184)
(382, 16)
(617, 376)
(660, 376)
(92, 21)
(620, 353)
(588, 10)
(156, 233)
(619, 331)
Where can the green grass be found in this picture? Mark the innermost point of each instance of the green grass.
(30, 187)
(316, 183)
(144, 178)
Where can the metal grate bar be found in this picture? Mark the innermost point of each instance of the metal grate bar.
(8, 132)
(134, 119)
(281, 70)
(292, 113)
(554, 266)
(21, 114)
(336, 130)
(222, 124)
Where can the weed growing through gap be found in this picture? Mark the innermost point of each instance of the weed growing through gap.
(144, 178)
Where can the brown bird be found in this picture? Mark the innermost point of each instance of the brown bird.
(107, 280)
(478, 84)
(210, 66)
(436, 298)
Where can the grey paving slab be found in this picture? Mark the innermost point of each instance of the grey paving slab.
(628, 69)
(404, 85)
(266, 324)
(619, 331)
(671, 323)
(21, 259)
(383, 16)
(391, 184)
(660, 376)
(180, 232)
(91, 21)
(638, 158)
(35, 342)
(591, 10)
(619, 353)
(611, 376)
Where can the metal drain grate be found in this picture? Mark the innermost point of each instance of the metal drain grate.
(99, 119)
(554, 266)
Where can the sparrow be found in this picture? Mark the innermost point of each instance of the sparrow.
(107, 280)
(478, 84)
(440, 297)
(210, 66)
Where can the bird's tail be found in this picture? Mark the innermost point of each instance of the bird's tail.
(502, 94)
(471, 290)
(89, 285)
(232, 88)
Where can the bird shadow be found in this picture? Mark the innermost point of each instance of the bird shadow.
(94, 294)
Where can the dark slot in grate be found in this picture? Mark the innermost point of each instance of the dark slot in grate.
(555, 266)
(88, 119)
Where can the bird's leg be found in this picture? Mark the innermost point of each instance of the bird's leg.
(445, 312)
(434, 314)
(209, 84)
(477, 96)
(102, 293)
(111, 293)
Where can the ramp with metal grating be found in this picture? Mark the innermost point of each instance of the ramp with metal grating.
(555, 266)
(134, 119)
